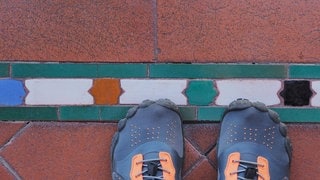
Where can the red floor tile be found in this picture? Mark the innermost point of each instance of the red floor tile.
(238, 31)
(4, 173)
(202, 170)
(81, 150)
(191, 157)
(62, 151)
(306, 144)
(77, 30)
(201, 136)
(7, 130)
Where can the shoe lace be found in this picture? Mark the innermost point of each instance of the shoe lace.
(249, 170)
(151, 167)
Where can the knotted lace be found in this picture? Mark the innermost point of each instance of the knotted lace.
(250, 170)
(151, 168)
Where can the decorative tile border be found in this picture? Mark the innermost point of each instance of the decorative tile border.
(104, 92)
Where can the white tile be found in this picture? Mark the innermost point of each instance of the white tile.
(59, 92)
(315, 100)
(135, 91)
(265, 91)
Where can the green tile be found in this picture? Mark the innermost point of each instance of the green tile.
(210, 113)
(79, 113)
(28, 113)
(114, 112)
(304, 71)
(302, 115)
(122, 70)
(4, 70)
(47, 70)
(188, 113)
(200, 92)
(299, 114)
(217, 71)
(83, 70)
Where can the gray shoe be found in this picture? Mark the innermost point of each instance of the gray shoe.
(253, 143)
(149, 143)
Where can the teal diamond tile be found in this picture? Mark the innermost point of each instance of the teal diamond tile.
(201, 92)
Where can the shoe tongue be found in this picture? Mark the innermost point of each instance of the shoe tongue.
(251, 170)
(152, 166)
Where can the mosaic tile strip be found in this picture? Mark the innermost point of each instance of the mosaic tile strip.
(104, 92)
(115, 113)
(12, 92)
(135, 91)
(265, 91)
(58, 91)
(86, 70)
(217, 71)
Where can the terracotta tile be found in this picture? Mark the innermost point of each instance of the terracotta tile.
(9, 129)
(191, 157)
(62, 151)
(203, 170)
(4, 174)
(305, 140)
(81, 150)
(106, 91)
(77, 30)
(212, 157)
(202, 136)
(247, 31)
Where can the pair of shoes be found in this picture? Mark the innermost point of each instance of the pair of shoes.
(149, 143)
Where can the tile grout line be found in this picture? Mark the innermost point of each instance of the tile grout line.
(10, 168)
(155, 30)
(3, 161)
(17, 134)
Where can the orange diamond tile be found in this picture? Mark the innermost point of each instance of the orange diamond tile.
(106, 91)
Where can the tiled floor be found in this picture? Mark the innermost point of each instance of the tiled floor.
(47, 150)
(70, 69)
